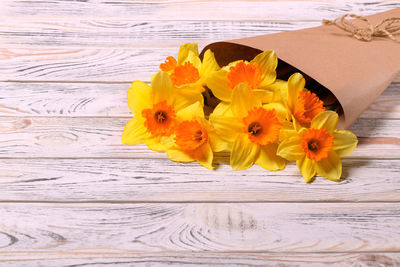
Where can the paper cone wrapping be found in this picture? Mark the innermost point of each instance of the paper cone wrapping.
(356, 72)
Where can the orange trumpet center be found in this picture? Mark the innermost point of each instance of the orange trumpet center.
(190, 135)
(185, 74)
(317, 143)
(169, 64)
(262, 126)
(307, 107)
(245, 72)
(160, 120)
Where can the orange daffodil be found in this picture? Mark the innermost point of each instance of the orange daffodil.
(252, 130)
(156, 112)
(259, 74)
(189, 73)
(260, 120)
(318, 149)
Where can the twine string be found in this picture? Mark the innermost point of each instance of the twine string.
(386, 28)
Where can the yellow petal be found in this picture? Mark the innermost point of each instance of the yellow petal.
(330, 167)
(162, 88)
(209, 64)
(190, 112)
(296, 84)
(134, 132)
(244, 153)
(326, 120)
(218, 84)
(243, 100)
(344, 142)
(291, 149)
(265, 96)
(216, 142)
(280, 110)
(223, 109)
(268, 159)
(206, 156)
(179, 156)
(267, 61)
(159, 143)
(184, 98)
(307, 168)
(184, 51)
(194, 59)
(139, 97)
(226, 127)
(287, 131)
(280, 88)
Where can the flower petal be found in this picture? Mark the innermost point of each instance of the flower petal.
(179, 156)
(194, 59)
(162, 88)
(209, 64)
(184, 98)
(279, 108)
(344, 142)
(205, 156)
(330, 167)
(243, 100)
(291, 149)
(244, 153)
(226, 127)
(139, 97)
(190, 112)
(287, 131)
(296, 84)
(134, 132)
(216, 142)
(307, 168)
(223, 109)
(159, 143)
(218, 84)
(326, 120)
(184, 51)
(268, 159)
(267, 61)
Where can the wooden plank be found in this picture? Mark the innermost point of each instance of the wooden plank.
(199, 10)
(100, 137)
(119, 258)
(94, 99)
(222, 227)
(160, 180)
(68, 64)
(129, 33)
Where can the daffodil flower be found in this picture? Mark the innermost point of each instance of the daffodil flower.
(189, 72)
(302, 105)
(195, 138)
(259, 75)
(155, 111)
(318, 149)
(251, 129)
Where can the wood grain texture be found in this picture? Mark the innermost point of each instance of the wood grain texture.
(66, 137)
(195, 9)
(79, 64)
(94, 100)
(159, 180)
(121, 258)
(132, 33)
(238, 227)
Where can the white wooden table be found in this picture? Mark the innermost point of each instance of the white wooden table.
(71, 194)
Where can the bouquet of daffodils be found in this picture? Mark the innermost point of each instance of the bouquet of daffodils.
(194, 108)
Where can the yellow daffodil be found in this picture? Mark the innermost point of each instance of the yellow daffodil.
(251, 129)
(155, 111)
(189, 72)
(195, 139)
(318, 149)
(302, 105)
(259, 75)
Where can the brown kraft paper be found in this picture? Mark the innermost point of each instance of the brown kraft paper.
(355, 71)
